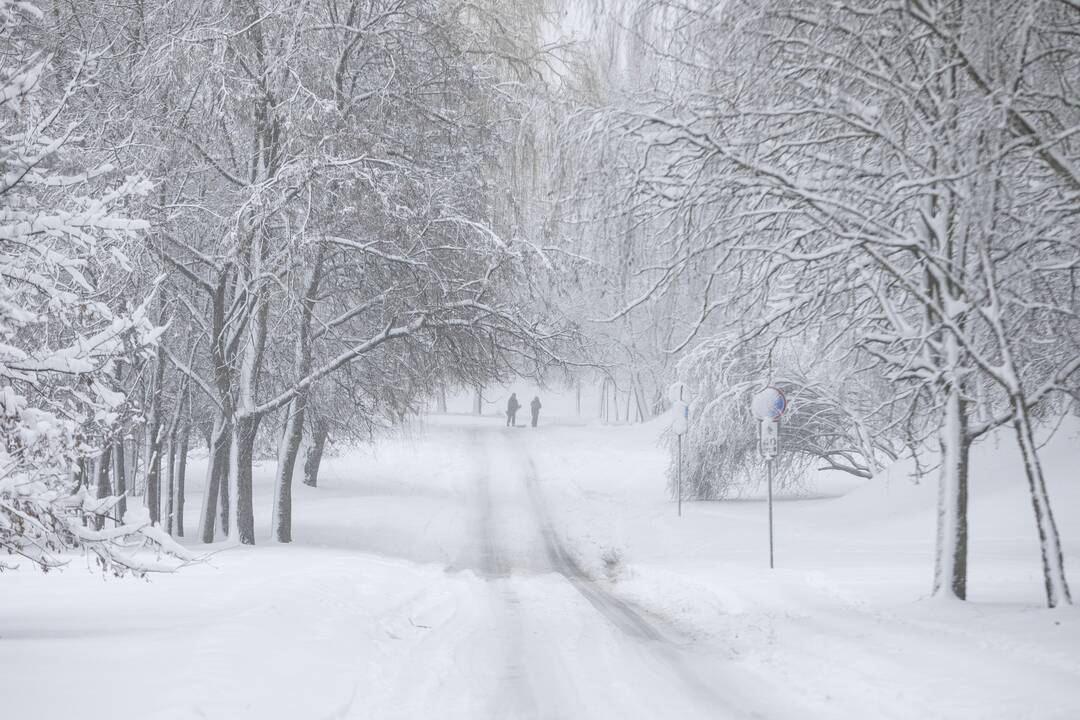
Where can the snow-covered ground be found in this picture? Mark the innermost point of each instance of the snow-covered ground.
(477, 571)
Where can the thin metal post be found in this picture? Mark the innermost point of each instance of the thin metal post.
(680, 476)
(770, 516)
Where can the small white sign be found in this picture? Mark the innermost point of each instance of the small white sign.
(681, 423)
(770, 438)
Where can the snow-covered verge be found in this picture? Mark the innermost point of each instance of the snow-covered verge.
(844, 619)
(317, 629)
(416, 588)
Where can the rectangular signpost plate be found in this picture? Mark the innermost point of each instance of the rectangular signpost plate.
(770, 438)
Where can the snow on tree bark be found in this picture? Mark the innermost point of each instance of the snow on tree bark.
(216, 466)
(289, 448)
(181, 478)
(1053, 560)
(950, 566)
(314, 454)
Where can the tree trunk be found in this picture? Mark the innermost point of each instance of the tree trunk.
(950, 569)
(154, 441)
(153, 480)
(101, 483)
(639, 400)
(603, 401)
(242, 454)
(117, 458)
(287, 453)
(313, 457)
(289, 447)
(478, 401)
(217, 465)
(1053, 562)
(225, 489)
(181, 476)
(173, 437)
(216, 491)
(120, 473)
(143, 476)
(137, 459)
(170, 486)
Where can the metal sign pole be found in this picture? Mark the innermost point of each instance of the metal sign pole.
(770, 516)
(680, 476)
(686, 417)
(769, 405)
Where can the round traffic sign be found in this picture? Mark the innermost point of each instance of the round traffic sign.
(769, 403)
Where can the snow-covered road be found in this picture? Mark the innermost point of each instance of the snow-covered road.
(473, 571)
(569, 647)
(554, 642)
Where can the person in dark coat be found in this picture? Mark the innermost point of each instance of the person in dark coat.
(535, 407)
(512, 406)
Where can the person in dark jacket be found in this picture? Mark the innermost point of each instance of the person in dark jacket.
(535, 407)
(512, 406)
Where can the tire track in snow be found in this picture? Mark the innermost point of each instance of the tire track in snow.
(629, 620)
(491, 563)
(516, 698)
(700, 687)
(617, 612)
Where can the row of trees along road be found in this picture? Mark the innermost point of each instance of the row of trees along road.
(314, 235)
(875, 205)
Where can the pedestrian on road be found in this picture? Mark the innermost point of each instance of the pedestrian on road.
(535, 407)
(512, 406)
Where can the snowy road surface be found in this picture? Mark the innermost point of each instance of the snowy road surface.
(570, 648)
(476, 571)
(540, 638)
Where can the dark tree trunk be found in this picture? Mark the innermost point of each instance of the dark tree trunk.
(313, 457)
(101, 483)
(170, 488)
(216, 497)
(153, 480)
(950, 571)
(154, 438)
(245, 428)
(174, 431)
(136, 460)
(294, 420)
(224, 499)
(216, 470)
(288, 452)
(120, 473)
(1053, 560)
(181, 475)
(119, 469)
